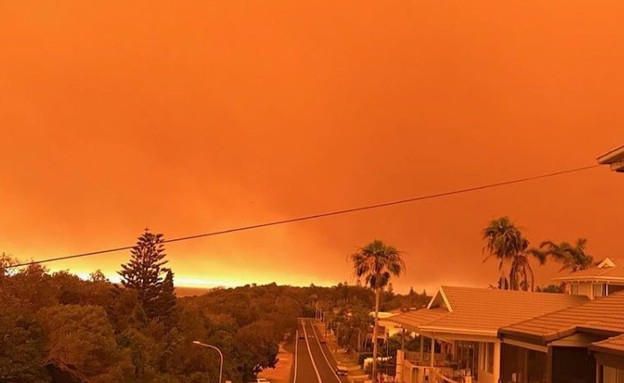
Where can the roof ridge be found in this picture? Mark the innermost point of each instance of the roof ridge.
(505, 291)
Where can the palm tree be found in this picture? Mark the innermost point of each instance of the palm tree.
(507, 243)
(573, 257)
(376, 263)
(504, 240)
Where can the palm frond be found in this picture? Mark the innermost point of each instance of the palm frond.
(376, 263)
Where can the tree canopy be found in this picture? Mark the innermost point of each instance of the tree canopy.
(573, 257)
(505, 241)
(145, 272)
(56, 327)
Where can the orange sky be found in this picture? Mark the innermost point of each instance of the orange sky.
(207, 115)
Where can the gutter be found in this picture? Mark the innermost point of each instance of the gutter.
(538, 339)
(459, 331)
(593, 278)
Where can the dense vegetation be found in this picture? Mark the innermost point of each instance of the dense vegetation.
(351, 321)
(56, 327)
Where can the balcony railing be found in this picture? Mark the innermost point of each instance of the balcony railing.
(417, 370)
(425, 358)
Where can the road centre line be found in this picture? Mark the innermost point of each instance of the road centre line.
(318, 376)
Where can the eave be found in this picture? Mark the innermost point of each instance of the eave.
(614, 158)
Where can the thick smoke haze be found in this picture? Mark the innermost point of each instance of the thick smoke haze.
(195, 117)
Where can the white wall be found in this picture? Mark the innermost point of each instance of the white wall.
(585, 288)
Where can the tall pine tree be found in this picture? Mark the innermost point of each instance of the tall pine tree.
(144, 272)
(166, 302)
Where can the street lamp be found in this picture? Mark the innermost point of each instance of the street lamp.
(215, 348)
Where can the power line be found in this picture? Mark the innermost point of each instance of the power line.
(319, 215)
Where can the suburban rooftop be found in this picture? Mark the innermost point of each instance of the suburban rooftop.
(604, 315)
(483, 310)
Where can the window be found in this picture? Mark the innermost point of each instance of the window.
(489, 357)
(574, 289)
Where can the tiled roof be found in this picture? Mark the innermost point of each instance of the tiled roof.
(483, 311)
(597, 273)
(413, 319)
(603, 314)
(614, 345)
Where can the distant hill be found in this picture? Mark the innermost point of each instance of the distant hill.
(191, 291)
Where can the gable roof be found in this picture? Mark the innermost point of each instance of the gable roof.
(607, 270)
(607, 262)
(604, 315)
(479, 311)
(440, 300)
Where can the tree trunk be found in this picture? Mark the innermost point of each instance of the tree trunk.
(359, 348)
(374, 369)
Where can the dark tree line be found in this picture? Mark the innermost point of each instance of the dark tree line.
(56, 327)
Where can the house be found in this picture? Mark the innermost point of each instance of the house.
(386, 328)
(602, 280)
(614, 158)
(459, 330)
(390, 327)
(577, 344)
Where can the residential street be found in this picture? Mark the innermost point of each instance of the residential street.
(314, 362)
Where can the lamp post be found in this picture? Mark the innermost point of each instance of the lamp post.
(220, 354)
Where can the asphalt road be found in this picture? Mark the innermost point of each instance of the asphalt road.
(314, 362)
